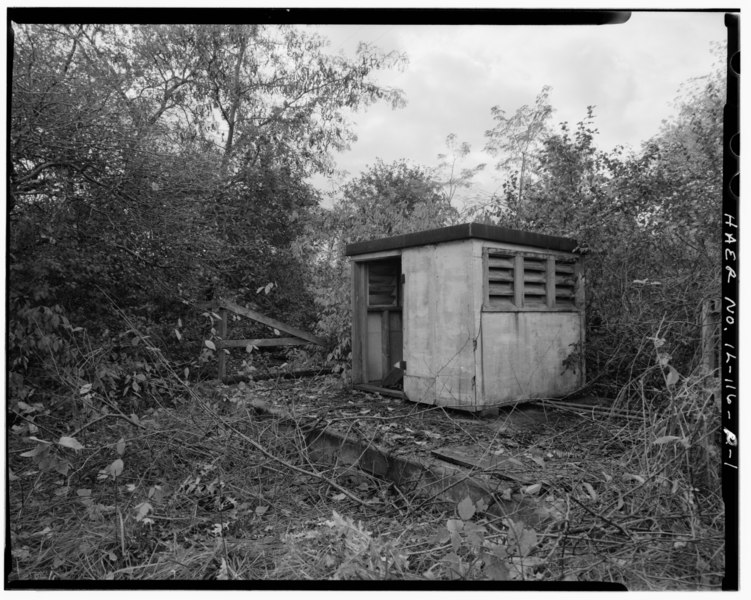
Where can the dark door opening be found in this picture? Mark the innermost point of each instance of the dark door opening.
(381, 319)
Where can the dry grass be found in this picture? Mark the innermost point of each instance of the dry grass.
(639, 505)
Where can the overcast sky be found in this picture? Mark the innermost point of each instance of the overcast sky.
(630, 72)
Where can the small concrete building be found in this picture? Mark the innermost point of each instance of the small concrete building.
(469, 316)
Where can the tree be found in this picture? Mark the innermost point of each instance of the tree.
(384, 200)
(388, 199)
(147, 136)
(650, 223)
(452, 178)
(516, 140)
(156, 165)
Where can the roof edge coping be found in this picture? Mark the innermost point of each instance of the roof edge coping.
(493, 233)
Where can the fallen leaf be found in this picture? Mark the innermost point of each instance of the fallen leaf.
(533, 489)
(223, 574)
(261, 510)
(142, 510)
(673, 377)
(527, 541)
(590, 490)
(442, 535)
(454, 525)
(32, 453)
(115, 468)
(70, 442)
(466, 509)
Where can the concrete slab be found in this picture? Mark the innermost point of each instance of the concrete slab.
(422, 477)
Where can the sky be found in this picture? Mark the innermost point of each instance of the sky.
(631, 73)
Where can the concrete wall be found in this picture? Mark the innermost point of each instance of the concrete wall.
(439, 300)
(523, 355)
(457, 355)
(523, 352)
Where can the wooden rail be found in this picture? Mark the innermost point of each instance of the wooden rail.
(300, 337)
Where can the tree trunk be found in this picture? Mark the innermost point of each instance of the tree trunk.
(235, 106)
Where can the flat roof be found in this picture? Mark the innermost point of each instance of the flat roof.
(465, 231)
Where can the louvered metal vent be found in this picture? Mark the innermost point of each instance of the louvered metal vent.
(383, 284)
(565, 283)
(501, 279)
(526, 281)
(535, 281)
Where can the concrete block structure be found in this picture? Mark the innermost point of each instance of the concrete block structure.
(469, 316)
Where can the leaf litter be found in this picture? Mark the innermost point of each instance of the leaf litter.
(191, 500)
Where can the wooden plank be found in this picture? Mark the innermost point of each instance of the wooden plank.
(366, 387)
(263, 342)
(379, 289)
(222, 333)
(359, 322)
(261, 318)
(357, 329)
(374, 301)
(385, 344)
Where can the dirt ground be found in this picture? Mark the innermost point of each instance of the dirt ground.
(211, 488)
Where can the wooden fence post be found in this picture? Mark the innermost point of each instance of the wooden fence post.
(222, 333)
